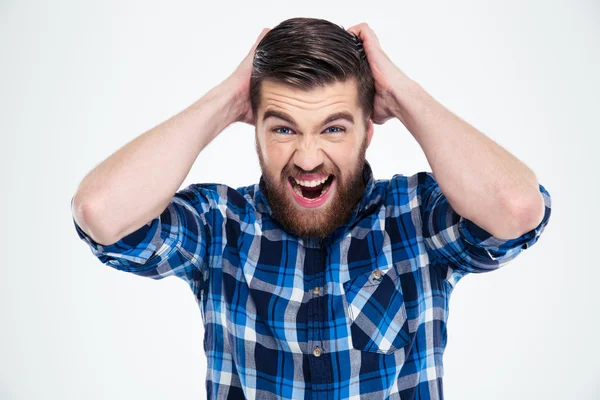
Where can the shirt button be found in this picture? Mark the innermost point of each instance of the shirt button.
(316, 290)
(377, 274)
(317, 352)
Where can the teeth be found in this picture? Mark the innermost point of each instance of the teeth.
(311, 183)
(298, 191)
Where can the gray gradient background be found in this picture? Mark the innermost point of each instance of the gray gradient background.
(78, 80)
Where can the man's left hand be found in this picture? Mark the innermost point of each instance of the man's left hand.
(388, 77)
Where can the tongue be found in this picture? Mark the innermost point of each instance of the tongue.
(311, 192)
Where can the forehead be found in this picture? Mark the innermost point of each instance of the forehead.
(337, 96)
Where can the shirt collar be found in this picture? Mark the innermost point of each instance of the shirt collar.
(368, 202)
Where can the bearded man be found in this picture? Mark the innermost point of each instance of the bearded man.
(318, 281)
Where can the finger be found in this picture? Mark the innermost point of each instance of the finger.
(356, 28)
(262, 35)
(365, 33)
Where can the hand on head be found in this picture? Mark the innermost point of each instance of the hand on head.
(388, 77)
(240, 81)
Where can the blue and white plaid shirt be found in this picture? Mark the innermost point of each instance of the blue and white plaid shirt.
(361, 314)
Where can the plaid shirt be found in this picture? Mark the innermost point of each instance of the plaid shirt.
(361, 314)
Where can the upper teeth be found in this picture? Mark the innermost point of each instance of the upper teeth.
(311, 183)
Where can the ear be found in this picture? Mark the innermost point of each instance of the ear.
(369, 131)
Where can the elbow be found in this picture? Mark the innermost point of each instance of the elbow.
(85, 213)
(534, 213)
(528, 214)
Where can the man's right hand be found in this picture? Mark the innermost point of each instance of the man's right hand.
(136, 183)
(239, 81)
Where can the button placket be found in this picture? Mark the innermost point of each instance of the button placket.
(320, 363)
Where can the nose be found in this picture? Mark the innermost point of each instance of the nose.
(308, 155)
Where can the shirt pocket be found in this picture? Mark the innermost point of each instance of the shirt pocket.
(376, 310)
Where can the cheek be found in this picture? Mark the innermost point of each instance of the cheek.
(278, 154)
(343, 154)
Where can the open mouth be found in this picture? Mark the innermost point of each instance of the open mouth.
(311, 190)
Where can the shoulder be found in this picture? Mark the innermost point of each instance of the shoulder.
(220, 196)
(413, 185)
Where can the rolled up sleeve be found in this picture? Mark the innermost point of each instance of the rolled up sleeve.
(459, 242)
(173, 244)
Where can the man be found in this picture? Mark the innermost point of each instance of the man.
(319, 281)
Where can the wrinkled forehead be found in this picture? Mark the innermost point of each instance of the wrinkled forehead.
(308, 106)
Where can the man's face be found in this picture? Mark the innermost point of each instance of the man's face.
(311, 146)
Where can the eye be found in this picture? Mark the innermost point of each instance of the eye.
(277, 130)
(340, 129)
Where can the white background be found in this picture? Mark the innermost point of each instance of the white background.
(78, 80)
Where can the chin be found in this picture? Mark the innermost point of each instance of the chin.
(315, 222)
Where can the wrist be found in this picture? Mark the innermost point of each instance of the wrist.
(225, 97)
(406, 93)
(236, 95)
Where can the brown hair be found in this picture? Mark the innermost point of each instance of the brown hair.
(310, 52)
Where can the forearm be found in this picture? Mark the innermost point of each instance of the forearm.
(136, 183)
(482, 181)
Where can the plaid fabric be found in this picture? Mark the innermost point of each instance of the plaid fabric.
(361, 314)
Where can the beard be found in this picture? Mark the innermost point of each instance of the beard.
(313, 222)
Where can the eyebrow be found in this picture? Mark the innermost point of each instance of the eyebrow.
(333, 117)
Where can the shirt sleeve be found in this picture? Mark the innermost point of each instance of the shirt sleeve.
(455, 240)
(175, 243)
